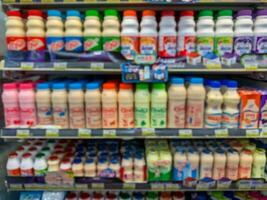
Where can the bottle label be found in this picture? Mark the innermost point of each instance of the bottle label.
(176, 114)
(179, 171)
(12, 116)
(148, 45)
(109, 117)
(167, 46)
(111, 44)
(73, 44)
(76, 113)
(206, 172)
(55, 44)
(223, 45)
(195, 110)
(44, 115)
(263, 121)
(35, 43)
(60, 114)
(13, 172)
(243, 45)
(158, 116)
(40, 172)
(186, 44)
(219, 172)
(249, 119)
(92, 43)
(244, 172)
(213, 120)
(260, 45)
(16, 43)
(93, 116)
(230, 120)
(232, 172)
(142, 116)
(205, 45)
(26, 172)
(129, 46)
(27, 116)
(126, 116)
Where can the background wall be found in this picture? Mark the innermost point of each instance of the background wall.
(2, 30)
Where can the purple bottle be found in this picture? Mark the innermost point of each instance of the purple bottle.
(260, 32)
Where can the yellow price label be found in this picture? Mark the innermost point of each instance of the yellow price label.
(52, 133)
(84, 132)
(186, 133)
(109, 133)
(148, 132)
(26, 66)
(221, 133)
(23, 133)
(47, 1)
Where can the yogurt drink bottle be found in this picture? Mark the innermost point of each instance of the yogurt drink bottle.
(224, 32)
(205, 32)
(54, 32)
(142, 106)
(158, 106)
(35, 36)
(126, 106)
(231, 101)
(93, 106)
(260, 32)
(27, 105)
(166, 164)
(243, 35)
(193, 160)
(111, 31)
(232, 165)
(76, 105)
(92, 32)
(129, 35)
(109, 106)
(206, 164)
(59, 105)
(26, 165)
(11, 104)
(40, 165)
(15, 36)
(73, 32)
(213, 112)
(219, 164)
(13, 165)
(245, 165)
(259, 163)
(153, 171)
(179, 168)
(43, 103)
(176, 103)
(149, 33)
(195, 103)
(186, 42)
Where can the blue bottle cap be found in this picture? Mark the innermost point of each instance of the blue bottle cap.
(215, 84)
(53, 13)
(90, 160)
(224, 82)
(92, 86)
(102, 160)
(207, 82)
(232, 84)
(73, 13)
(77, 161)
(177, 80)
(58, 86)
(43, 86)
(75, 86)
(196, 80)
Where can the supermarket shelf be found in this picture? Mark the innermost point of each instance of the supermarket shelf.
(90, 184)
(13, 133)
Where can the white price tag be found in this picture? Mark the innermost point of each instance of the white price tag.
(221, 133)
(109, 133)
(148, 132)
(52, 133)
(23, 133)
(26, 65)
(84, 132)
(60, 66)
(251, 133)
(98, 186)
(185, 133)
(97, 66)
(172, 186)
(128, 186)
(157, 187)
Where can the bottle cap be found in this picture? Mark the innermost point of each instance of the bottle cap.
(43, 86)
(75, 86)
(25, 86)
(244, 13)
(232, 84)
(92, 13)
(148, 13)
(109, 86)
(37, 13)
(71, 195)
(223, 13)
(84, 195)
(128, 13)
(167, 13)
(189, 13)
(89, 161)
(159, 86)
(77, 160)
(178, 195)
(196, 80)
(59, 86)
(26, 155)
(9, 86)
(40, 155)
(12, 155)
(262, 12)
(215, 84)
(126, 86)
(13, 13)
(92, 86)
(205, 13)
(176, 80)
(111, 13)
(73, 13)
(53, 13)
(142, 86)
(152, 195)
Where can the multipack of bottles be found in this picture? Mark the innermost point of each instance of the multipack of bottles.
(194, 32)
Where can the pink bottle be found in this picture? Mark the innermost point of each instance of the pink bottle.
(27, 105)
(11, 104)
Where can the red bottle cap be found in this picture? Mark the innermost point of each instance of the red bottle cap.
(37, 13)
(167, 13)
(13, 13)
(185, 13)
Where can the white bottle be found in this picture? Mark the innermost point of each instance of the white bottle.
(40, 165)
(179, 168)
(205, 32)
(126, 106)
(129, 35)
(232, 164)
(13, 165)
(26, 165)
(176, 103)
(213, 112)
(167, 35)
(260, 32)
(186, 42)
(243, 35)
(206, 164)
(195, 103)
(231, 101)
(224, 33)
(93, 106)
(259, 163)
(193, 160)
(219, 164)
(245, 165)
(158, 106)
(148, 33)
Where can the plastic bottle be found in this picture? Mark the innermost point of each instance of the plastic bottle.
(43, 103)
(195, 103)
(213, 112)
(78, 167)
(245, 165)
(54, 32)
(148, 33)
(93, 106)
(179, 166)
(40, 165)
(59, 105)
(259, 163)
(158, 106)
(224, 32)
(15, 36)
(109, 106)
(13, 165)
(193, 160)
(186, 33)
(260, 32)
(11, 104)
(167, 35)
(142, 106)
(232, 164)
(243, 35)
(92, 32)
(26, 165)
(73, 32)
(219, 164)
(231, 101)
(176, 103)
(126, 106)
(111, 31)
(27, 105)
(205, 32)
(35, 36)
(129, 35)
(76, 106)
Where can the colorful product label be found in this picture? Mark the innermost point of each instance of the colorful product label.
(40, 172)
(60, 114)
(158, 116)
(223, 45)
(176, 114)
(142, 116)
(244, 172)
(148, 45)
(263, 112)
(44, 115)
(179, 171)
(27, 116)
(93, 116)
(92, 43)
(260, 44)
(55, 44)
(16, 43)
(213, 119)
(195, 110)
(205, 45)
(230, 120)
(11, 116)
(109, 117)
(232, 172)
(167, 46)
(111, 44)
(186, 44)
(243, 45)
(35, 43)
(27, 172)
(126, 116)
(129, 46)
(73, 44)
(13, 172)
(77, 116)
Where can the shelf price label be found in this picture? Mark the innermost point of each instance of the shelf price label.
(110, 133)
(15, 186)
(60, 66)
(172, 186)
(26, 1)
(252, 133)
(81, 186)
(148, 132)
(47, 1)
(51, 133)
(97, 66)
(26, 65)
(23, 133)
(9, 1)
(128, 186)
(157, 186)
(185, 133)
(98, 186)
(219, 133)
(264, 132)
(84, 132)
